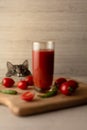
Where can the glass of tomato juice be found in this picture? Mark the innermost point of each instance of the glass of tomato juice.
(43, 65)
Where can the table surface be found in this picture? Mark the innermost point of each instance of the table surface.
(68, 119)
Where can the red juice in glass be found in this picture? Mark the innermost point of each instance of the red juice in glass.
(43, 65)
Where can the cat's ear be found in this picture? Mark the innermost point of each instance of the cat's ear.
(9, 65)
(25, 63)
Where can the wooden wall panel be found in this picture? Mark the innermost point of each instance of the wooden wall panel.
(63, 21)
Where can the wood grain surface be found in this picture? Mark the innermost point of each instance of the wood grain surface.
(20, 107)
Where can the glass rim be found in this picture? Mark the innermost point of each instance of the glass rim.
(43, 45)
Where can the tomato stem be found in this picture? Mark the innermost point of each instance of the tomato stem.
(71, 89)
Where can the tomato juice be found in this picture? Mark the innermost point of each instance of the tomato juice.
(43, 65)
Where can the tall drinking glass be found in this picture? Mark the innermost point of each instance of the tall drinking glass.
(43, 65)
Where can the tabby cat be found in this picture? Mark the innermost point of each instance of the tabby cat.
(20, 70)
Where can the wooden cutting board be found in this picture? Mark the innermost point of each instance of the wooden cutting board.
(22, 108)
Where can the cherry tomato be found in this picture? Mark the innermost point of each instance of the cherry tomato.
(8, 82)
(73, 84)
(67, 89)
(59, 81)
(22, 84)
(27, 96)
(29, 80)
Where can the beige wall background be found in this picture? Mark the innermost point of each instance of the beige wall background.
(63, 21)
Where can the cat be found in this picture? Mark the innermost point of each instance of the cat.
(20, 70)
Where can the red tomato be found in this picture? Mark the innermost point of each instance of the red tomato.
(73, 84)
(27, 96)
(22, 84)
(59, 81)
(8, 82)
(67, 89)
(29, 80)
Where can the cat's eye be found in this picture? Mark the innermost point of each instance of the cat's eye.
(23, 69)
(13, 71)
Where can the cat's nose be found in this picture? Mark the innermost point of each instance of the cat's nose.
(19, 75)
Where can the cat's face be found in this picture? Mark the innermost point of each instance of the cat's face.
(18, 70)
